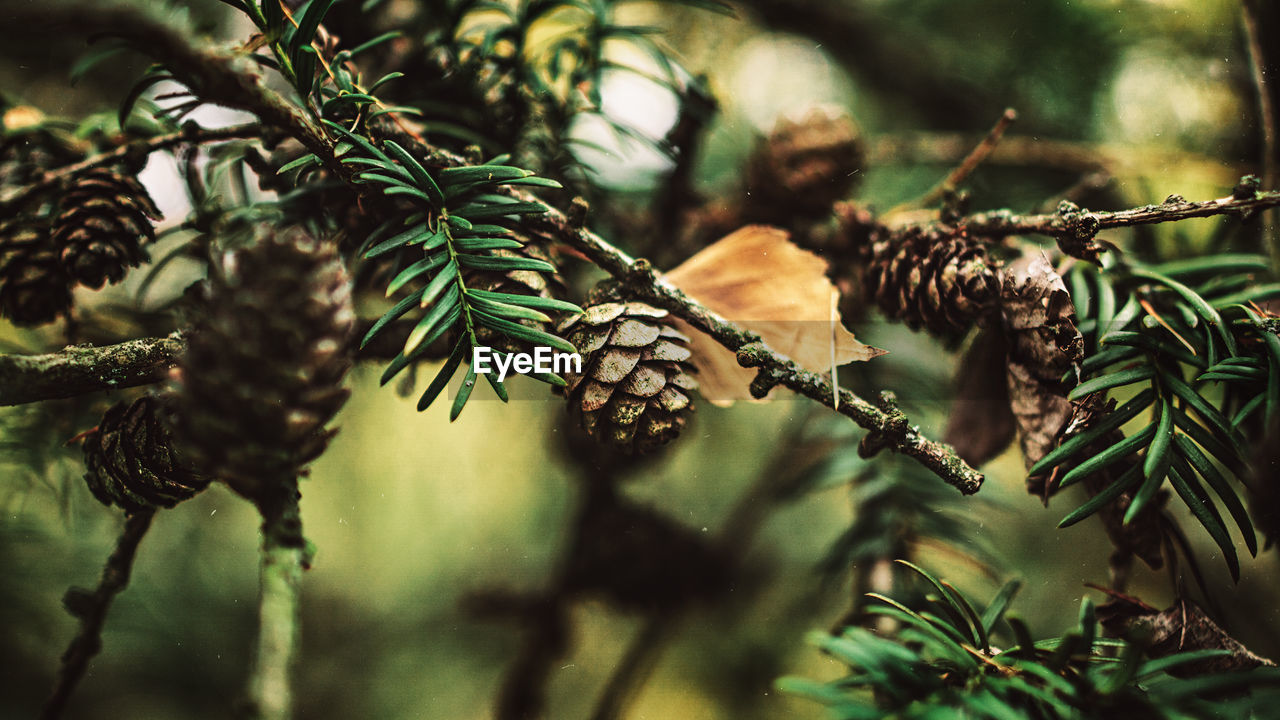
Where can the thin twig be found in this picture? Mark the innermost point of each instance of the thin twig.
(1266, 109)
(1086, 185)
(83, 369)
(971, 161)
(92, 610)
(637, 662)
(1000, 223)
(190, 134)
(913, 149)
(772, 488)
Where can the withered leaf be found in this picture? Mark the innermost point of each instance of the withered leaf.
(1044, 344)
(757, 278)
(1181, 627)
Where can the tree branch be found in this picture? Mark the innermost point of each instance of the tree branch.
(774, 486)
(1071, 222)
(92, 610)
(890, 428)
(82, 369)
(216, 75)
(971, 161)
(637, 663)
(78, 370)
(192, 134)
(1020, 151)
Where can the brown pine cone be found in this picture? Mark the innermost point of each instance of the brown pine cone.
(805, 165)
(34, 287)
(263, 370)
(131, 462)
(103, 220)
(29, 148)
(634, 389)
(943, 282)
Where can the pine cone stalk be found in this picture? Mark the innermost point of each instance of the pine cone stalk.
(259, 382)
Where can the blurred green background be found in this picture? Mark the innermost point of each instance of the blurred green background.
(412, 514)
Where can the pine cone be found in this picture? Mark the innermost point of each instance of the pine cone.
(805, 165)
(102, 222)
(28, 149)
(494, 80)
(131, 462)
(633, 392)
(34, 287)
(935, 280)
(262, 372)
(517, 282)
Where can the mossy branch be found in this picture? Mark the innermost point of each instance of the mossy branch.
(890, 428)
(284, 557)
(1077, 222)
(83, 369)
(78, 370)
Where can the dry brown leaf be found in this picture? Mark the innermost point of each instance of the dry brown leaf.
(1044, 344)
(756, 278)
(1182, 627)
